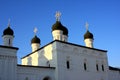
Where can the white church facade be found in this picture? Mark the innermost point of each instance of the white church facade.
(57, 60)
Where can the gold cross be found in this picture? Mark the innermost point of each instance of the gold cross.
(35, 30)
(57, 15)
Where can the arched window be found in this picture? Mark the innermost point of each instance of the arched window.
(97, 67)
(102, 67)
(26, 78)
(48, 63)
(9, 41)
(68, 64)
(85, 67)
(85, 64)
(46, 78)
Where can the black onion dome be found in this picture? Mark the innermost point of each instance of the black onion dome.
(59, 26)
(65, 31)
(88, 35)
(35, 39)
(8, 31)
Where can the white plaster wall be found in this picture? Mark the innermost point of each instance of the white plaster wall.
(24, 61)
(8, 51)
(33, 73)
(31, 59)
(57, 53)
(77, 56)
(8, 62)
(44, 57)
(114, 75)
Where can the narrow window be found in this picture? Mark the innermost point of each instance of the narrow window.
(68, 64)
(102, 67)
(9, 41)
(26, 78)
(48, 63)
(85, 67)
(97, 67)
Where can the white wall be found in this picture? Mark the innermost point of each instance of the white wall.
(57, 53)
(34, 73)
(8, 62)
(114, 75)
(77, 56)
(43, 57)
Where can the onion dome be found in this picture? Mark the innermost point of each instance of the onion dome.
(59, 26)
(8, 31)
(65, 31)
(35, 39)
(88, 35)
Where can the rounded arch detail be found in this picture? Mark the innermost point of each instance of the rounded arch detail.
(47, 78)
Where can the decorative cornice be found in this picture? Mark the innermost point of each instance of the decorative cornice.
(35, 66)
(9, 47)
(7, 56)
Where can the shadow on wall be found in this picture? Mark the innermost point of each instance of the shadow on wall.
(29, 60)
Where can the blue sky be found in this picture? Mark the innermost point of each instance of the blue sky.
(103, 17)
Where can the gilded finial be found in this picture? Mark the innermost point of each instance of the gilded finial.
(57, 15)
(35, 30)
(86, 25)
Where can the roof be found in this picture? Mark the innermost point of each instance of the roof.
(35, 39)
(64, 43)
(114, 68)
(35, 66)
(8, 31)
(59, 26)
(88, 35)
(9, 47)
(82, 46)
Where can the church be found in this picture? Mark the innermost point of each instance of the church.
(57, 60)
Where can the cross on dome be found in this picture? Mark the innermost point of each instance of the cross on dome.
(57, 15)
(8, 22)
(35, 30)
(86, 25)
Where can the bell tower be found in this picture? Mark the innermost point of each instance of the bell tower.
(8, 56)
